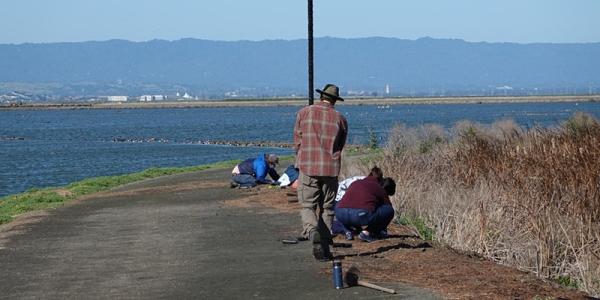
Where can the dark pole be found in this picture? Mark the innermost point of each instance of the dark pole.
(311, 95)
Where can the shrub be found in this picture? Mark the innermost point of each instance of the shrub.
(373, 139)
(523, 197)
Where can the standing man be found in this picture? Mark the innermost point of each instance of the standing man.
(319, 138)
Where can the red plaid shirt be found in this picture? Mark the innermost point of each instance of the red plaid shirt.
(319, 137)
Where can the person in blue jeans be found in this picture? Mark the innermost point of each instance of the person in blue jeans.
(253, 171)
(367, 203)
(337, 227)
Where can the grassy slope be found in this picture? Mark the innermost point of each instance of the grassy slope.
(38, 199)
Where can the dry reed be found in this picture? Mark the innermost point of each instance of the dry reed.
(527, 198)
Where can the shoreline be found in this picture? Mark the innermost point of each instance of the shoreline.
(301, 102)
(41, 198)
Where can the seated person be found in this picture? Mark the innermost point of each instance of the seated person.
(367, 203)
(253, 171)
(337, 226)
(289, 176)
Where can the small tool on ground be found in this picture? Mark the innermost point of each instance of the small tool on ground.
(351, 279)
(290, 241)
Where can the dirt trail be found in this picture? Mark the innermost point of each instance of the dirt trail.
(168, 238)
(404, 258)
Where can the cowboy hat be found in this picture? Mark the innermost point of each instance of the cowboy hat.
(330, 91)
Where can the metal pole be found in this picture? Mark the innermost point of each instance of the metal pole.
(311, 95)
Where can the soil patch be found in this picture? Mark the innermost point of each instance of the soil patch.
(274, 199)
(405, 258)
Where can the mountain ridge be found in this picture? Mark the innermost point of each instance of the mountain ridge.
(278, 67)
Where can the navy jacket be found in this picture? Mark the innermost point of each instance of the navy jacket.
(259, 168)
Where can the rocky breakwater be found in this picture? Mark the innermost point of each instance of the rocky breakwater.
(264, 144)
(11, 138)
(231, 143)
(139, 140)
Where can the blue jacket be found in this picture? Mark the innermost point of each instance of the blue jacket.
(259, 168)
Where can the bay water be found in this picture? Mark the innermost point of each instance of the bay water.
(41, 148)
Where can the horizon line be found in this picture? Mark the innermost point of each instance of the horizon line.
(292, 40)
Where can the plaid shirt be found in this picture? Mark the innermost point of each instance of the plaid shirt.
(319, 137)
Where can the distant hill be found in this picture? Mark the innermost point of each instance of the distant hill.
(278, 67)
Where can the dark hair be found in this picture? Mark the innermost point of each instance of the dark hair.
(377, 173)
(389, 185)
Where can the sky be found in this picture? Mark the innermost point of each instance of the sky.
(521, 21)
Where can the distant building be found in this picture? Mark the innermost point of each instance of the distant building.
(231, 94)
(148, 98)
(117, 98)
(357, 93)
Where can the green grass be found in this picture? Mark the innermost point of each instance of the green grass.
(369, 156)
(39, 199)
(426, 233)
(567, 281)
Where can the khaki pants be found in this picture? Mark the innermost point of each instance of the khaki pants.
(317, 192)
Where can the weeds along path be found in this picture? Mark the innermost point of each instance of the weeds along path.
(528, 198)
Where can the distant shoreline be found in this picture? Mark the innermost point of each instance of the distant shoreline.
(301, 102)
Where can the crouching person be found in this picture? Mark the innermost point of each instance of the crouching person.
(253, 171)
(367, 203)
(337, 227)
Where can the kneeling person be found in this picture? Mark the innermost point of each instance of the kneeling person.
(253, 171)
(367, 203)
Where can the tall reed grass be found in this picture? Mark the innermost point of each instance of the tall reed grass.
(529, 198)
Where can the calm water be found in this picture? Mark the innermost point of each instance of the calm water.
(55, 147)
